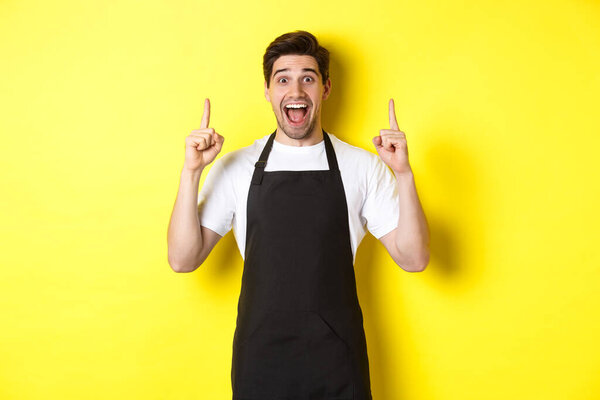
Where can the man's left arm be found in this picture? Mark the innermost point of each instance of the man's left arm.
(408, 244)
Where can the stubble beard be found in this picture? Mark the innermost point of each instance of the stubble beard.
(296, 135)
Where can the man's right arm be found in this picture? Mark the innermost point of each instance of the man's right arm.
(189, 243)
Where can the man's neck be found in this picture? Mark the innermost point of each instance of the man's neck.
(313, 138)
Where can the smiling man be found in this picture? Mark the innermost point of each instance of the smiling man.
(295, 95)
(299, 201)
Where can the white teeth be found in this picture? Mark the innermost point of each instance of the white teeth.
(296, 106)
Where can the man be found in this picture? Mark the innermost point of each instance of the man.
(299, 201)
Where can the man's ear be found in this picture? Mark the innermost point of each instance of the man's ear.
(327, 89)
(267, 93)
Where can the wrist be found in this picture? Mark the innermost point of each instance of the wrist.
(405, 175)
(191, 173)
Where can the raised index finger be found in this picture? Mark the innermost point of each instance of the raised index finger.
(206, 114)
(393, 122)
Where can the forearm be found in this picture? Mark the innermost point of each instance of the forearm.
(412, 234)
(184, 236)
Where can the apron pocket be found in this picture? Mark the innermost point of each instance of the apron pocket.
(270, 361)
(293, 354)
(330, 362)
(245, 330)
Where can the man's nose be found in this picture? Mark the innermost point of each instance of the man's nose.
(296, 90)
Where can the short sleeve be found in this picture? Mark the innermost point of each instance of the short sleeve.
(216, 200)
(381, 206)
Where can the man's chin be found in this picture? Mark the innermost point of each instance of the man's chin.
(298, 133)
(295, 133)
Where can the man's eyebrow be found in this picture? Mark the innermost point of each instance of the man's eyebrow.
(303, 69)
(310, 70)
(280, 70)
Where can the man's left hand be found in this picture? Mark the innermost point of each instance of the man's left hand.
(391, 145)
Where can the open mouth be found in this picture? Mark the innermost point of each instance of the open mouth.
(296, 113)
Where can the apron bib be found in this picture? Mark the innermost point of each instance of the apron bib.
(299, 330)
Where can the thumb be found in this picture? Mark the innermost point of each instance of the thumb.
(218, 141)
(377, 142)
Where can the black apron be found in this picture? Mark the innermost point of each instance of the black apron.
(299, 333)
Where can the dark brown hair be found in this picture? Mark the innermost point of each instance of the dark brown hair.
(299, 43)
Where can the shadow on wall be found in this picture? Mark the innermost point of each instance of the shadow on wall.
(457, 216)
(337, 101)
(223, 263)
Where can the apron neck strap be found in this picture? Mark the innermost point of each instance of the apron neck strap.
(259, 166)
(331, 158)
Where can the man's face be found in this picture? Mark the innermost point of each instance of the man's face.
(295, 91)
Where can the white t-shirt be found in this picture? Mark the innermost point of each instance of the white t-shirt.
(369, 185)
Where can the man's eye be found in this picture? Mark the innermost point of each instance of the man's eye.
(282, 79)
(309, 79)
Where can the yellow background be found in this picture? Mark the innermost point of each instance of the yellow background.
(499, 102)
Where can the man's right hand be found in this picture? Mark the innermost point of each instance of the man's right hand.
(202, 145)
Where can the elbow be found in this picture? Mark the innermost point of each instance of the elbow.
(422, 263)
(412, 268)
(417, 264)
(182, 267)
(416, 268)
